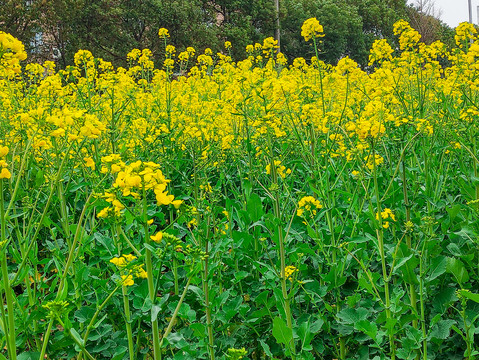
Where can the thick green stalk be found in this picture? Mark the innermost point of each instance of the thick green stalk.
(4, 325)
(129, 333)
(126, 303)
(175, 313)
(45, 339)
(10, 327)
(380, 237)
(282, 255)
(175, 275)
(407, 205)
(209, 321)
(151, 285)
(421, 300)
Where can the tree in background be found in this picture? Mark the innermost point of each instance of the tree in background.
(342, 27)
(111, 28)
(21, 19)
(425, 18)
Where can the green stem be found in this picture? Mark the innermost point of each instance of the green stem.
(175, 313)
(421, 300)
(380, 236)
(407, 205)
(282, 255)
(10, 327)
(126, 303)
(45, 339)
(175, 275)
(209, 321)
(151, 285)
(129, 333)
(95, 315)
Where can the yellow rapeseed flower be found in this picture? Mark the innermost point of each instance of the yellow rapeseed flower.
(311, 29)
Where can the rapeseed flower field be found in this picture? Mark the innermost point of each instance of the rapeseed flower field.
(269, 208)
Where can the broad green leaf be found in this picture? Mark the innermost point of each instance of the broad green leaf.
(199, 329)
(437, 268)
(367, 327)
(282, 333)
(469, 295)
(458, 270)
(352, 316)
(29, 355)
(255, 207)
(442, 329)
(155, 309)
(407, 264)
(83, 314)
(316, 326)
(305, 335)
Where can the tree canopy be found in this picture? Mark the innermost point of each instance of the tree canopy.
(111, 28)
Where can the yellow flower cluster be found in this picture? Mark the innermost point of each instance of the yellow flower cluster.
(311, 29)
(162, 32)
(4, 173)
(372, 162)
(289, 271)
(465, 33)
(408, 37)
(280, 169)
(380, 50)
(128, 270)
(12, 52)
(386, 214)
(308, 204)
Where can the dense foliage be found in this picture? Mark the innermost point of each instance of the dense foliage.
(109, 29)
(256, 209)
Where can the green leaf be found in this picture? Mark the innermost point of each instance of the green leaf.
(352, 316)
(367, 327)
(199, 330)
(407, 264)
(453, 211)
(316, 326)
(456, 267)
(255, 207)
(437, 268)
(2, 357)
(119, 352)
(469, 295)
(457, 330)
(64, 293)
(84, 313)
(282, 333)
(443, 300)
(77, 337)
(305, 336)
(266, 348)
(442, 329)
(29, 355)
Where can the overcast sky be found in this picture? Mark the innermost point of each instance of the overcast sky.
(454, 12)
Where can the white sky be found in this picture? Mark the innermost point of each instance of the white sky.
(454, 12)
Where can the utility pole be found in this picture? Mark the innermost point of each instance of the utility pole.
(277, 30)
(470, 11)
